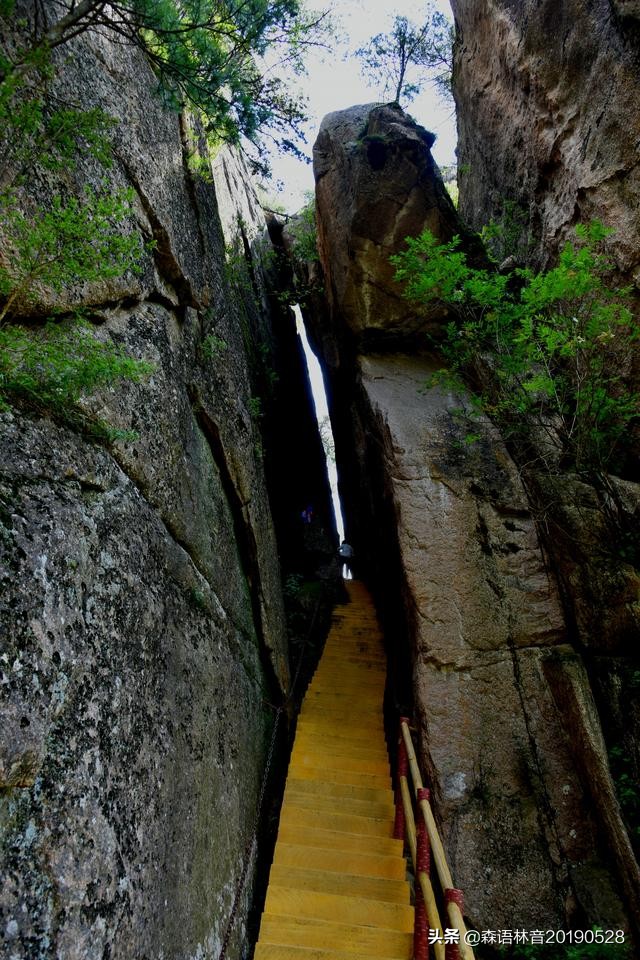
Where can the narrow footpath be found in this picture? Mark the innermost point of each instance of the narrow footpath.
(337, 887)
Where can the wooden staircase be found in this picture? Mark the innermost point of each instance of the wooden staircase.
(337, 888)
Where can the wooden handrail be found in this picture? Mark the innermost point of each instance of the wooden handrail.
(437, 849)
(423, 878)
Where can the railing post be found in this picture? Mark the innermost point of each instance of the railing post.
(453, 951)
(423, 862)
(399, 824)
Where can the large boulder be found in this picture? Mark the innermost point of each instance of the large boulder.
(376, 184)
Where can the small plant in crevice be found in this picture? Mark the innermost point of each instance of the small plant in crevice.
(292, 586)
(508, 235)
(556, 344)
(213, 346)
(254, 406)
(197, 598)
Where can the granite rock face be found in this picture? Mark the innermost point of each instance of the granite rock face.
(141, 618)
(488, 649)
(480, 650)
(548, 114)
(376, 183)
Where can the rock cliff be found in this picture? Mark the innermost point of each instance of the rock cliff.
(141, 616)
(480, 648)
(548, 114)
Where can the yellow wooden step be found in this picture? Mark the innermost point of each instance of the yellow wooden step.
(360, 717)
(303, 817)
(354, 674)
(339, 861)
(289, 901)
(361, 808)
(327, 725)
(329, 935)
(376, 760)
(341, 746)
(344, 641)
(301, 758)
(277, 951)
(340, 697)
(353, 657)
(342, 776)
(346, 686)
(334, 840)
(379, 889)
(340, 790)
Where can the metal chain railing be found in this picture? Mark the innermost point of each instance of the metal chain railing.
(249, 850)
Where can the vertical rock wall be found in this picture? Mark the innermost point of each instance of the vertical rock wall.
(548, 115)
(141, 622)
(445, 531)
(548, 99)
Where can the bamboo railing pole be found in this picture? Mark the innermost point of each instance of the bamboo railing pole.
(439, 856)
(423, 879)
(456, 920)
(411, 755)
(442, 867)
(408, 816)
(437, 850)
(432, 914)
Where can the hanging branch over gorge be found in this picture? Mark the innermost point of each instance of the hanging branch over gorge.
(208, 54)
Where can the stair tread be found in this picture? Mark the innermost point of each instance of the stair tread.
(340, 790)
(364, 808)
(339, 822)
(327, 838)
(382, 889)
(359, 911)
(343, 777)
(278, 951)
(326, 934)
(355, 863)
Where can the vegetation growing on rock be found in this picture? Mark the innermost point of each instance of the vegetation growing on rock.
(557, 343)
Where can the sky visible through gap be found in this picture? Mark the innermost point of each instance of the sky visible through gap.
(334, 82)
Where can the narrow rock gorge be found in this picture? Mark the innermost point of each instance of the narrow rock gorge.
(488, 631)
(158, 581)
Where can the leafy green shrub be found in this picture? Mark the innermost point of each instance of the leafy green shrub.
(68, 242)
(305, 235)
(54, 367)
(557, 343)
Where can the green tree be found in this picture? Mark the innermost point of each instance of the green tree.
(208, 54)
(554, 345)
(400, 62)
